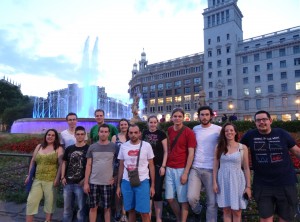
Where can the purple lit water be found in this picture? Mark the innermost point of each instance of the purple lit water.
(37, 126)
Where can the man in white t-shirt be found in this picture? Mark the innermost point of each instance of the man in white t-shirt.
(67, 137)
(136, 198)
(207, 135)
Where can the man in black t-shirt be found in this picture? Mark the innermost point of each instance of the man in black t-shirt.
(274, 180)
(72, 176)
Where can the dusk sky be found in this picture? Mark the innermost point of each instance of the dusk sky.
(41, 42)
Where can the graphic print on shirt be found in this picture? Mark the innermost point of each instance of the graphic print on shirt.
(133, 154)
(152, 139)
(268, 149)
(76, 165)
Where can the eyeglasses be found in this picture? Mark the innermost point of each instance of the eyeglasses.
(263, 120)
(80, 134)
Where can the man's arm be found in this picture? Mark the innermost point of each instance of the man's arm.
(296, 151)
(152, 177)
(88, 170)
(63, 173)
(120, 175)
(189, 162)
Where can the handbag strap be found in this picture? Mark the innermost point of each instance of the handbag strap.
(138, 159)
(176, 138)
(37, 152)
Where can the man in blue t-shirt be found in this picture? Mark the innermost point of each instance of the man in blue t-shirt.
(274, 180)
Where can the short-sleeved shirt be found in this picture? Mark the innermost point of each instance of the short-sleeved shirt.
(68, 139)
(272, 164)
(177, 156)
(102, 162)
(75, 158)
(155, 139)
(129, 153)
(94, 132)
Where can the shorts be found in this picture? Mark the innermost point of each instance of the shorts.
(173, 185)
(100, 195)
(281, 200)
(136, 198)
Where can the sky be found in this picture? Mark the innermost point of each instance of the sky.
(42, 42)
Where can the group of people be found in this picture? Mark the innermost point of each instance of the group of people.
(209, 158)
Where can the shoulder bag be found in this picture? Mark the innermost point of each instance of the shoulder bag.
(134, 174)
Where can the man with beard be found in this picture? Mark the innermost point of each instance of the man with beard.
(201, 173)
(274, 180)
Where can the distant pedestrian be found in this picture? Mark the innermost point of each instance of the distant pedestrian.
(162, 119)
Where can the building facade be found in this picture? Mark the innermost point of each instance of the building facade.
(239, 76)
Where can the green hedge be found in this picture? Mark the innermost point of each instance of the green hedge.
(243, 126)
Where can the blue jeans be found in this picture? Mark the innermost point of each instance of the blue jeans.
(71, 191)
(197, 177)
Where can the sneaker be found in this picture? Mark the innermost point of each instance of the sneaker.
(124, 218)
(117, 218)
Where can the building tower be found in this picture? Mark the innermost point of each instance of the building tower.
(222, 32)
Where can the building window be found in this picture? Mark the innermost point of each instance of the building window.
(219, 52)
(160, 86)
(270, 88)
(169, 100)
(270, 77)
(187, 90)
(258, 104)
(187, 82)
(256, 57)
(168, 108)
(269, 66)
(187, 107)
(297, 73)
(210, 95)
(258, 90)
(271, 103)
(284, 101)
(145, 95)
(228, 72)
(219, 73)
(177, 91)
(229, 92)
(228, 36)
(160, 94)
(220, 105)
(209, 54)
(246, 92)
(229, 82)
(210, 65)
(210, 75)
(196, 88)
(257, 79)
(187, 98)
(283, 64)
(160, 101)
(296, 49)
(152, 88)
(246, 104)
(284, 87)
(257, 68)
(297, 85)
(269, 55)
(297, 61)
(177, 99)
(219, 63)
(244, 59)
(218, 39)
(228, 49)
(283, 75)
(220, 93)
(245, 70)
(152, 95)
(169, 92)
(210, 84)
(245, 80)
(228, 61)
(282, 52)
(177, 83)
(160, 108)
(168, 85)
(145, 88)
(209, 41)
(152, 101)
(197, 81)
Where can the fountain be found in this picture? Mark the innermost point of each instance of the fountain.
(51, 112)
